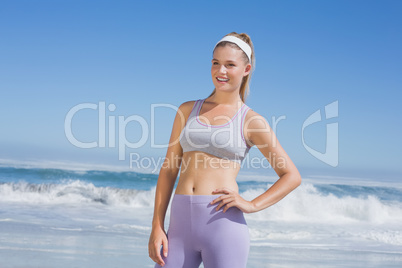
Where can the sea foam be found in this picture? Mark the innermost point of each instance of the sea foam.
(307, 203)
(74, 192)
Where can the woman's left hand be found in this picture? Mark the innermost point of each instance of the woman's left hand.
(230, 199)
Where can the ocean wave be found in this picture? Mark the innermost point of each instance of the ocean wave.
(307, 203)
(74, 192)
(331, 205)
(68, 166)
(121, 179)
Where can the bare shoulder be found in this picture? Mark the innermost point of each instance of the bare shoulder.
(183, 112)
(254, 120)
(186, 107)
(256, 128)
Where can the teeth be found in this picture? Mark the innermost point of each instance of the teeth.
(222, 79)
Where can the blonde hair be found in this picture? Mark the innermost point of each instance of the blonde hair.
(245, 84)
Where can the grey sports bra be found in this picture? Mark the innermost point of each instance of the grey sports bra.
(224, 141)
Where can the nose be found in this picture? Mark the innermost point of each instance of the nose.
(222, 69)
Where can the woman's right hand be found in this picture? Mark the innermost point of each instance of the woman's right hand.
(157, 239)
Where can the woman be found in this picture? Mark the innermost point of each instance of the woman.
(209, 140)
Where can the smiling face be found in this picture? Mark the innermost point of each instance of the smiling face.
(228, 68)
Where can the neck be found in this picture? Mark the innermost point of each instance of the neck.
(227, 98)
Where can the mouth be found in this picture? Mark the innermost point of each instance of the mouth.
(220, 79)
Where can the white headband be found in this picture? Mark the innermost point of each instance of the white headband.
(241, 44)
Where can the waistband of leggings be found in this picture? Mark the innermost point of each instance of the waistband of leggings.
(195, 199)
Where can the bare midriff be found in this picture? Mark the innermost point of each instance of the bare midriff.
(202, 173)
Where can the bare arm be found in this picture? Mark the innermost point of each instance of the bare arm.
(261, 135)
(164, 187)
(170, 167)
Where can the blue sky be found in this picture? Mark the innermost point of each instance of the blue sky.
(55, 55)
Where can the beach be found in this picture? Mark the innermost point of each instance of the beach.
(67, 217)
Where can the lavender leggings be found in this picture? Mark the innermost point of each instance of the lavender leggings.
(198, 233)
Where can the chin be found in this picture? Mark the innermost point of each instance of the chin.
(224, 89)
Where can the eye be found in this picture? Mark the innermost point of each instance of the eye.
(214, 63)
